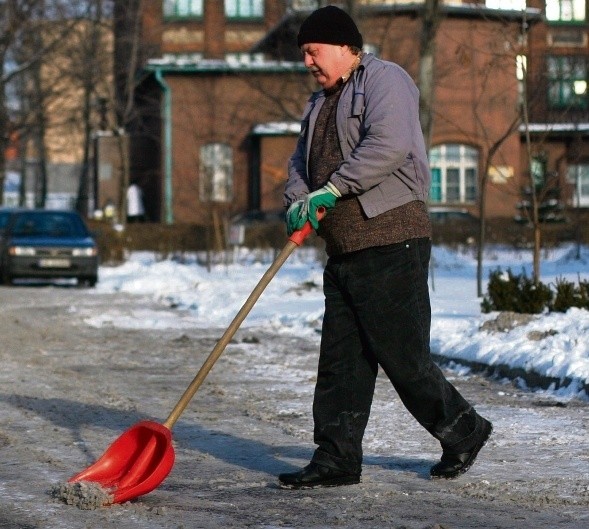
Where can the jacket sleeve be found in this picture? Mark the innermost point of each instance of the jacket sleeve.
(387, 136)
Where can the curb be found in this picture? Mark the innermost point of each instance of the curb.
(532, 379)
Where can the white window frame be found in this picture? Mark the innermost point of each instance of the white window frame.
(565, 11)
(183, 8)
(240, 9)
(521, 71)
(578, 177)
(216, 173)
(516, 5)
(458, 173)
(567, 81)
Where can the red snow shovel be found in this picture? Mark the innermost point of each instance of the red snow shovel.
(141, 458)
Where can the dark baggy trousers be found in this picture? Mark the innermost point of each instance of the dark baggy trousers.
(377, 312)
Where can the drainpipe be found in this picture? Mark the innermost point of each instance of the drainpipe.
(167, 117)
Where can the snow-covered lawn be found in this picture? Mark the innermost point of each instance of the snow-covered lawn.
(293, 303)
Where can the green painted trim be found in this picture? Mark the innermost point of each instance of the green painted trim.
(167, 118)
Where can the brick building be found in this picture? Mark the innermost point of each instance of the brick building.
(53, 110)
(223, 87)
(558, 62)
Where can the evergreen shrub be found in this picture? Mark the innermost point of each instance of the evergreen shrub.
(508, 292)
(570, 295)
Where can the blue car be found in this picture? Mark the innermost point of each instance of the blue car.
(4, 216)
(46, 244)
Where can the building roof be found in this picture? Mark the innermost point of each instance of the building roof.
(556, 128)
(180, 65)
(280, 41)
(458, 10)
(277, 128)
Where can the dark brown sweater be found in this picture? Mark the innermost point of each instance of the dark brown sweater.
(346, 228)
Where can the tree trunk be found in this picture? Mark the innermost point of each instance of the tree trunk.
(122, 140)
(482, 228)
(427, 53)
(533, 194)
(83, 185)
(4, 134)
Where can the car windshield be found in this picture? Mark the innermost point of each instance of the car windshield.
(48, 225)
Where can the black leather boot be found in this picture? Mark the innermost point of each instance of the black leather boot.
(454, 464)
(314, 476)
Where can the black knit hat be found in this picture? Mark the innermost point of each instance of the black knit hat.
(329, 25)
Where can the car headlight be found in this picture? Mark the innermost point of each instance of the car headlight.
(84, 252)
(22, 250)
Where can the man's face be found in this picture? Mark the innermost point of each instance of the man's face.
(327, 62)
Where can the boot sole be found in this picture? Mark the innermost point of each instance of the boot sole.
(336, 482)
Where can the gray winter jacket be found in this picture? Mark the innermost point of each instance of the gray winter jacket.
(384, 157)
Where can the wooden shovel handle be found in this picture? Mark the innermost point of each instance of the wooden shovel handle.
(294, 241)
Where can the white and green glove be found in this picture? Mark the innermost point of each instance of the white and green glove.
(322, 198)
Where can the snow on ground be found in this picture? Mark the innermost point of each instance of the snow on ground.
(293, 303)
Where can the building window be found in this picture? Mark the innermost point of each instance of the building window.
(521, 71)
(244, 8)
(183, 8)
(567, 82)
(538, 171)
(578, 177)
(370, 2)
(517, 5)
(216, 173)
(454, 170)
(565, 10)
(307, 4)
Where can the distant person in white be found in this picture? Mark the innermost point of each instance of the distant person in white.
(135, 208)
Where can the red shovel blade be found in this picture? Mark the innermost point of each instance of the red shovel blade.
(135, 464)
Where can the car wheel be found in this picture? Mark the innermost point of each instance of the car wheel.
(89, 281)
(5, 277)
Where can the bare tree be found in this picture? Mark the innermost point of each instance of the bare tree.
(507, 46)
(15, 17)
(91, 67)
(431, 17)
(528, 97)
(33, 122)
(534, 210)
(492, 150)
(504, 59)
(33, 39)
(539, 186)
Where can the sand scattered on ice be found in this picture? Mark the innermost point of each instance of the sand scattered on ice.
(83, 494)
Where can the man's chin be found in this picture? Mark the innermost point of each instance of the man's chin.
(320, 80)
